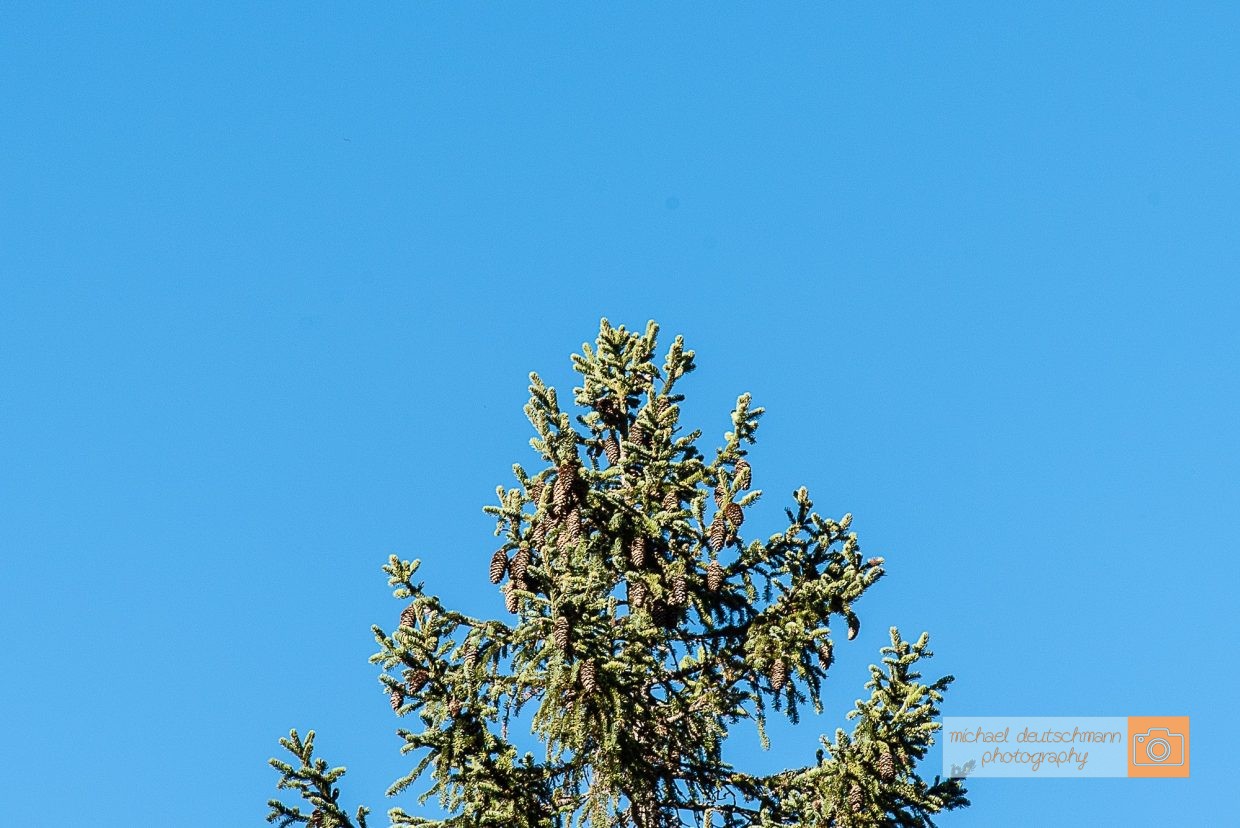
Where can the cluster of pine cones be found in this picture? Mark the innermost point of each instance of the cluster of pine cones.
(415, 679)
(614, 416)
(567, 495)
(729, 515)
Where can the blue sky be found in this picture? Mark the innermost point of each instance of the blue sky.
(272, 279)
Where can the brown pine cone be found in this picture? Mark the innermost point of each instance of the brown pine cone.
(637, 552)
(721, 494)
(637, 593)
(397, 698)
(510, 598)
(520, 565)
(854, 626)
(886, 765)
(536, 490)
(572, 526)
(589, 677)
(637, 434)
(560, 633)
(612, 448)
(454, 707)
(662, 614)
(408, 616)
(779, 675)
(539, 536)
(735, 514)
(563, 494)
(679, 593)
(714, 576)
(316, 819)
(499, 565)
(744, 474)
(671, 501)
(565, 487)
(608, 409)
(825, 654)
(417, 680)
(854, 798)
(718, 533)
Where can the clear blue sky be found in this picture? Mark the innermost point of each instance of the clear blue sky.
(272, 278)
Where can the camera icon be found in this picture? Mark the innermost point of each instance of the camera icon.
(1158, 746)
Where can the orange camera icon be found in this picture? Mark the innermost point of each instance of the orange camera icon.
(1158, 746)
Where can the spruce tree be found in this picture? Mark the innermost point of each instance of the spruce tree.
(644, 623)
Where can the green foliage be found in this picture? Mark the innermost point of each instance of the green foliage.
(316, 783)
(645, 626)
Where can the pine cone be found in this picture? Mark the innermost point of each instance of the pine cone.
(825, 654)
(408, 616)
(536, 490)
(854, 798)
(714, 576)
(854, 626)
(637, 434)
(886, 765)
(721, 494)
(637, 593)
(565, 487)
(612, 448)
(417, 680)
(454, 707)
(316, 819)
(608, 409)
(735, 514)
(671, 501)
(779, 675)
(589, 677)
(718, 533)
(397, 698)
(520, 565)
(744, 474)
(499, 565)
(572, 526)
(637, 552)
(679, 594)
(539, 536)
(562, 495)
(510, 598)
(662, 614)
(560, 633)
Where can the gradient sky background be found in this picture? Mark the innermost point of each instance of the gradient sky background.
(272, 279)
